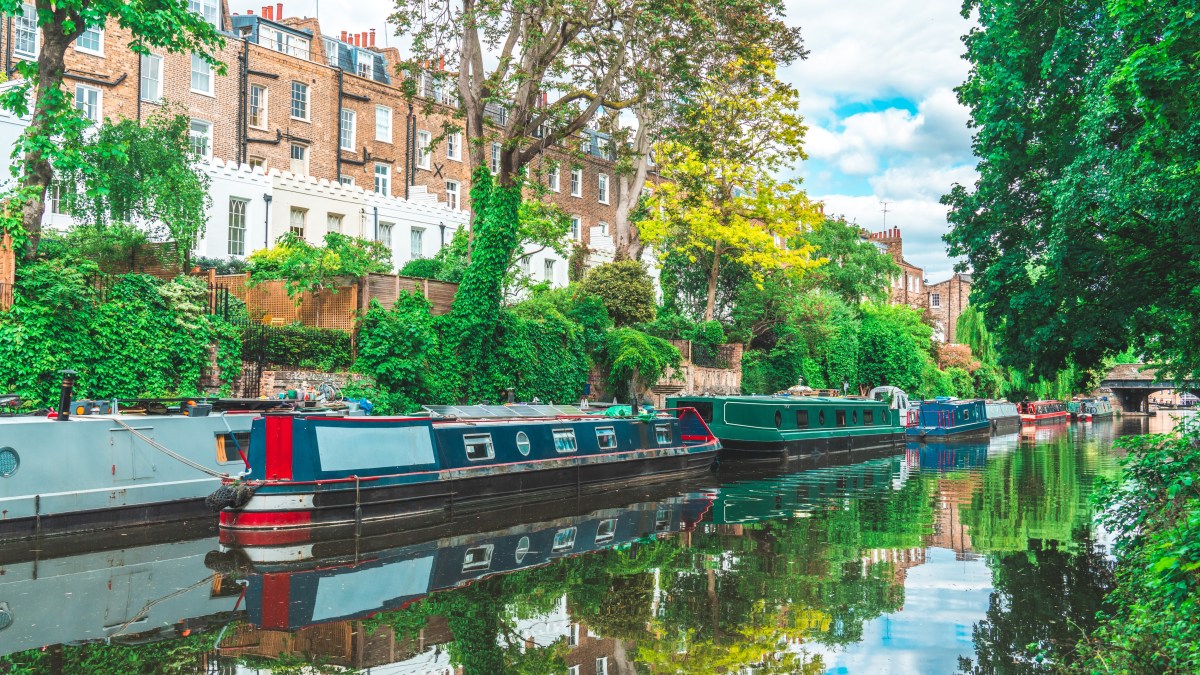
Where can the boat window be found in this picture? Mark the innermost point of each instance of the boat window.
(705, 408)
(662, 434)
(801, 419)
(228, 445)
(868, 417)
(821, 418)
(966, 413)
(606, 437)
(564, 540)
(479, 447)
(606, 531)
(778, 419)
(477, 558)
(662, 520)
(841, 418)
(854, 418)
(564, 440)
(523, 443)
(522, 549)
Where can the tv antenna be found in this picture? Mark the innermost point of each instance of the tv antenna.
(885, 212)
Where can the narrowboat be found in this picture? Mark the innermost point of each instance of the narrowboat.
(288, 594)
(946, 457)
(1043, 412)
(945, 419)
(315, 470)
(96, 465)
(1094, 409)
(782, 426)
(1004, 417)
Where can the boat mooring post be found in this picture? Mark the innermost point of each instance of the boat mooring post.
(64, 396)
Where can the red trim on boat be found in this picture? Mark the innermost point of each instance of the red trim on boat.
(264, 537)
(265, 518)
(276, 600)
(278, 448)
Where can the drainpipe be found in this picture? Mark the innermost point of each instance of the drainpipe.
(139, 91)
(8, 32)
(244, 102)
(267, 221)
(337, 146)
(410, 168)
(376, 223)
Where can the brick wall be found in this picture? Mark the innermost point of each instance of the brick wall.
(953, 297)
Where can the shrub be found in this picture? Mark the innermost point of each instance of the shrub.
(626, 289)
(632, 356)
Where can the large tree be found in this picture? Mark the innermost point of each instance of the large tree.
(1081, 227)
(720, 198)
(855, 268)
(54, 137)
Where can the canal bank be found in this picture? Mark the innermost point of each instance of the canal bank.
(904, 562)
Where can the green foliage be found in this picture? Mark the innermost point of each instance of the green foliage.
(855, 269)
(424, 268)
(220, 265)
(626, 289)
(1154, 511)
(573, 304)
(397, 348)
(111, 246)
(893, 347)
(632, 356)
(303, 347)
(307, 268)
(810, 338)
(146, 338)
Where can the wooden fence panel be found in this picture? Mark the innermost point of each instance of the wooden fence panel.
(8, 271)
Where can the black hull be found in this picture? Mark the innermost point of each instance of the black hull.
(980, 434)
(786, 451)
(138, 515)
(427, 503)
(1006, 425)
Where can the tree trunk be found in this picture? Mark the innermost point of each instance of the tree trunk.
(38, 174)
(711, 307)
(627, 241)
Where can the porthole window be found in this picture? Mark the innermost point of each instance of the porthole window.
(10, 461)
(522, 549)
(523, 443)
(778, 419)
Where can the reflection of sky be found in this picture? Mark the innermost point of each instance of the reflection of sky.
(943, 599)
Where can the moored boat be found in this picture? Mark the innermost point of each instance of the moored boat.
(1095, 408)
(308, 471)
(1043, 412)
(1003, 417)
(1074, 410)
(782, 426)
(945, 419)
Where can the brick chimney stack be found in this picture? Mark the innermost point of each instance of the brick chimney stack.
(372, 37)
(279, 11)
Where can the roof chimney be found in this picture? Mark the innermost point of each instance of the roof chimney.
(372, 37)
(268, 12)
(250, 12)
(279, 11)
(343, 36)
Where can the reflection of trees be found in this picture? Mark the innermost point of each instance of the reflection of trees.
(1043, 598)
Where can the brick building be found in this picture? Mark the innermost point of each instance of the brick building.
(296, 101)
(947, 300)
(908, 287)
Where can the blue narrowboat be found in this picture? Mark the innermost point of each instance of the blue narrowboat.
(945, 419)
(316, 470)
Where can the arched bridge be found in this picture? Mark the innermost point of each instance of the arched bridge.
(1132, 384)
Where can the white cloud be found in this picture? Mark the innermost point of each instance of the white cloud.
(922, 223)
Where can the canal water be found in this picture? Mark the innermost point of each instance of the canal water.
(943, 559)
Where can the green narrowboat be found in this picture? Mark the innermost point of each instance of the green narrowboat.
(778, 427)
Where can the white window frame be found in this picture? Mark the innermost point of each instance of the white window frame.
(151, 64)
(202, 68)
(99, 32)
(564, 435)
(239, 208)
(453, 190)
(416, 242)
(606, 531)
(602, 188)
(553, 178)
(576, 182)
(495, 163)
(606, 431)
(301, 215)
(366, 66)
(383, 132)
(99, 104)
(576, 227)
(548, 270)
(293, 159)
(331, 51)
(573, 670)
(263, 110)
(202, 7)
(385, 234)
(333, 222)
(481, 563)
(479, 439)
(454, 146)
(564, 540)
(207, 152)
(346, 180)
(300, 96)
(659, 431)
(256, 163)
(348, 129)
(26, 22)
(603, 228)
(383, 179)
(602, 665)
(424, 154)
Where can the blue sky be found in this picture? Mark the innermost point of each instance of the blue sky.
(877, 94)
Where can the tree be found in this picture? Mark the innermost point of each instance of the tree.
(305, 268)
(141, 173)
(1080, 228)
(719, 196)
(54, 137)
(856, 270)
(893, 347)
(626, 289)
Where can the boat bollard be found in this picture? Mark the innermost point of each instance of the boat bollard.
(64, 396)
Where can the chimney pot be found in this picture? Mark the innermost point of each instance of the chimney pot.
(343, 36)
(372, 37)
(362, 39)
(250, 12)
(279, 11)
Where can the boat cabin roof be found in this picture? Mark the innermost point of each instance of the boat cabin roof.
(776, 399)
(503, 411)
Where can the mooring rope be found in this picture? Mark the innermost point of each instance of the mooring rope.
(167, 451)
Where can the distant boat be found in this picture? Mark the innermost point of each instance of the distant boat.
(1003, 417)
(946, 419)
(1095, 408)
(308, 471)
(782, 426)
(1043, 412)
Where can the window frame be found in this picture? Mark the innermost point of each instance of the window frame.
(197, 61)
(577, 183)
(385, 233)
(477, 566)
(564, 544)
(385, 178)
(416, 242)
(868, 418)
(99, 50)
(610, 432)
(424, 149)
(523, 444)
(554, 178)
(292, 158)
(331, 218)
(602, 188)
(99, 104)
(263, 109)
(839, 418)
(548, 269)
(576, 227)
(303, 228)
(208, 137)
(485, 440)
(144, 67)
(383, 137)
(239, 228)
(22, 22)
(351, 116)
(302, 89)
(494, 163)
(457, 192)
(658, 434)
(935, 299)
(454, 146)
(603, 537)
(564, 434)
(216, 9)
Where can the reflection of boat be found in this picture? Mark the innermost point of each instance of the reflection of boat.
(286, 595)
(942, 457)
(1003, 417)
(944, 418)
(1043, 412)
(778, 427)
(307, 471)
(150, 592)
(1095, 408)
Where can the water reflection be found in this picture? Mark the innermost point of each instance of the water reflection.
(946, 557)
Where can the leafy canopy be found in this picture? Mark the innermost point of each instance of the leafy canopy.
(306, 268)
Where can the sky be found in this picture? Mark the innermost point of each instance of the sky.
(877, 92)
